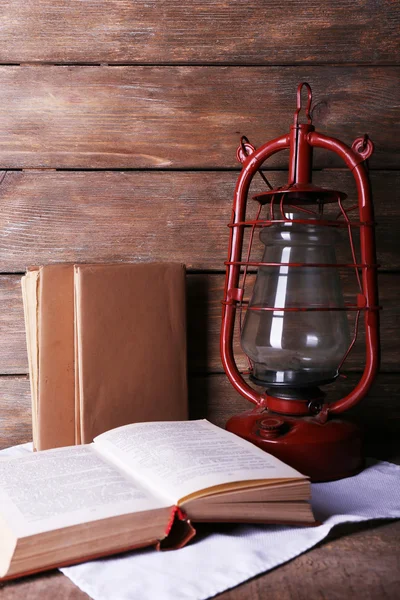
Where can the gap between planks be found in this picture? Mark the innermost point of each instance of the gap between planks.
(248, 65)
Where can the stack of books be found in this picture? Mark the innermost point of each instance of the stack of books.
(107, 347)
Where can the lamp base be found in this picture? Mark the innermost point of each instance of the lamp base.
(323, 451)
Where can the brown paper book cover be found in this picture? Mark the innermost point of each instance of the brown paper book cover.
(138, 485)
(48, 294)
(106, 347)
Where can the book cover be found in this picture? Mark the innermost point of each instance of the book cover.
(106, 346)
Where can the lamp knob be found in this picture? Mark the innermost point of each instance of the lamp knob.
(270, 427)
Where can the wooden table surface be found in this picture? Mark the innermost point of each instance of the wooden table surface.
(355, 561)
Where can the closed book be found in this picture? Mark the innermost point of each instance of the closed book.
(106, 346)
(48, 294)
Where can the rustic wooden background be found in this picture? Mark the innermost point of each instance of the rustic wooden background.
(119, 123)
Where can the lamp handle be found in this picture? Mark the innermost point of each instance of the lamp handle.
(232, 293)
(354, 162)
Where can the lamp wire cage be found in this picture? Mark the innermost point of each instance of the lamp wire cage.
(275, 209)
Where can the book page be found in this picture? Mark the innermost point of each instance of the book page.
(67, 486)
(29, 283)
(182, 457)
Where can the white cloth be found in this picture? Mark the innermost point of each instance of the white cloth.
(218, 561)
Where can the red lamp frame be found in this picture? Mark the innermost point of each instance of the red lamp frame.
(304, 433)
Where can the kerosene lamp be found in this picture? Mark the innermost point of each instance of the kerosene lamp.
(295, 330)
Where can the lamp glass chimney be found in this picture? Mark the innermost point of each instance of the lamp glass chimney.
(296, 348)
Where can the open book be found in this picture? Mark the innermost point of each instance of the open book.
(135, 486)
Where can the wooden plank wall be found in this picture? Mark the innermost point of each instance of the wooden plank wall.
(119, 124)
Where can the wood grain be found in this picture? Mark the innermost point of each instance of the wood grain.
(184, 117)
(15, 411)
(204, 293)
(213, 32)
(46, 586)
(148, 216)
(355, 561)
(13, 356)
